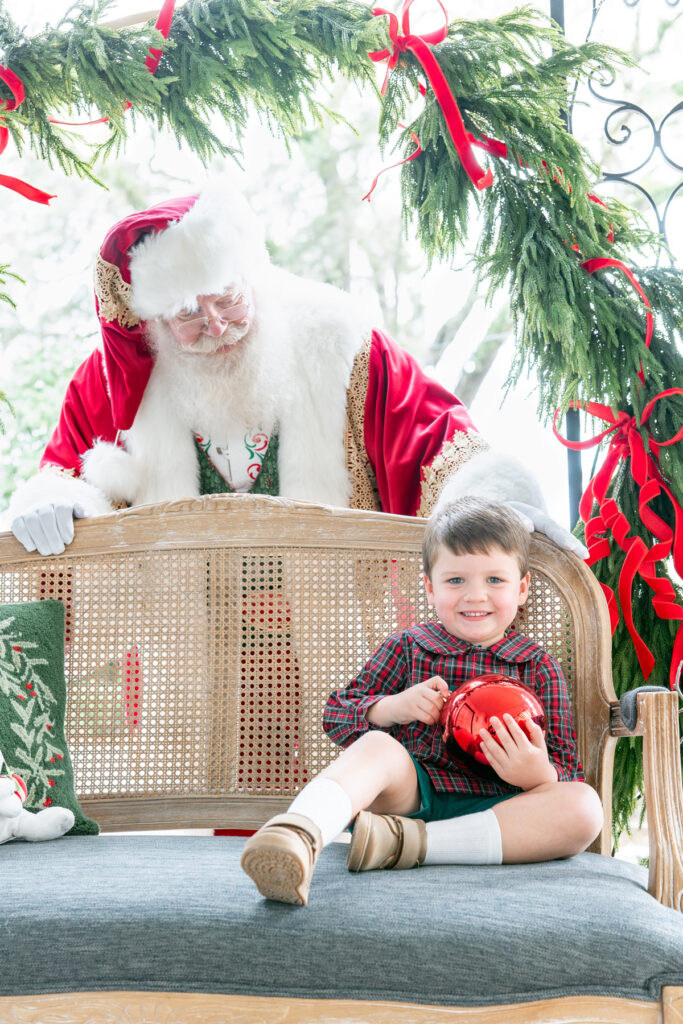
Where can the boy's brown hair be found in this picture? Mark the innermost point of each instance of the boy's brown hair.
(475, 526)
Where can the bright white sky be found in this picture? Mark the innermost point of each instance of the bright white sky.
(513, 428)
(36, 13)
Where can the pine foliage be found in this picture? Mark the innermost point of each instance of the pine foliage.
(512, 79)
(221, 57)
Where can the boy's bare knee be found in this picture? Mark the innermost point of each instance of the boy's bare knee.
(379, 749)
(392, 762)
(586, 813)
(376, 740)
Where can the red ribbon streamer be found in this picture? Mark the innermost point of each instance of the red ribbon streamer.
(627, 443)
(84, 124)
(419, 46)
(416, 152)
(600, 263)
(16, 87)
(163, 24)
(491, 146)
(598, 200)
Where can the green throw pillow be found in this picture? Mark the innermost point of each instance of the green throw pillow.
(32, 706)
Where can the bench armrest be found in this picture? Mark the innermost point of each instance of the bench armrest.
(652, 712)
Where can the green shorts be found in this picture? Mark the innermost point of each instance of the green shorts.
(436, 806)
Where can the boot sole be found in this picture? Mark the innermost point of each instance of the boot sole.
(278, 873)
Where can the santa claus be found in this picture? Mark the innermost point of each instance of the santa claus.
(220, 372)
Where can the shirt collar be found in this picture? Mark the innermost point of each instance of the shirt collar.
(513, 647)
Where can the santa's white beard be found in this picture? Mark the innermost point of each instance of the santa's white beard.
(289, 373)
(214, 392)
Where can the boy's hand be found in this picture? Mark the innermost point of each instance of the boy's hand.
(420, 703)
(519, 760)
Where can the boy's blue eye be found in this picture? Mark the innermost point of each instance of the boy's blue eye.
(455, 579)
(495, 579)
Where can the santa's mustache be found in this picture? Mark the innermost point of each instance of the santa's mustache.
(234, 331)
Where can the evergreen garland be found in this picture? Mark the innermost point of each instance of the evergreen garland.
(221, 57)
(512, 77)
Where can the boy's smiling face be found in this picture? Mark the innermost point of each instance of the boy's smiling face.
(476, 596)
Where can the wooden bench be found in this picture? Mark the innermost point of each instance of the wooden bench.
(202, 640)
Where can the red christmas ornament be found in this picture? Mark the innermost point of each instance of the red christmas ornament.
(471, 707)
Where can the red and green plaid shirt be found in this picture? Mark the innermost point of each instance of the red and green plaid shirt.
(417, 654)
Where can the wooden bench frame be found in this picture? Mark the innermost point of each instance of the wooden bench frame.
(220, 524)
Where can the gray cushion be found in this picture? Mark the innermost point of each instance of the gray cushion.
(176, 913)
(628, 704)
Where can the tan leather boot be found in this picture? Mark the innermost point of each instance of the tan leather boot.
(280, 857)
(386, 841)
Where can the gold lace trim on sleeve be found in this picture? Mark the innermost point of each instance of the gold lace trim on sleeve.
(452, 456)
(363, 481)
(113, 294)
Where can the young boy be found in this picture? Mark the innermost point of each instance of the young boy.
(410, 803)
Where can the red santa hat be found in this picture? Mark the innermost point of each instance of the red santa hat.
(155, 263)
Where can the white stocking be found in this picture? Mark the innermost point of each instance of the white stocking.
(471, 839)
(327, 804)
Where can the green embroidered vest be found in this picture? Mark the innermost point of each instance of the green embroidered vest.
(267, 482)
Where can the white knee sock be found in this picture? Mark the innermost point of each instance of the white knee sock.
(327, 804)
(471, 839)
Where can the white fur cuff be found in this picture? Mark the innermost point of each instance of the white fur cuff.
(494, 476)
(50, 486)
(112, 470)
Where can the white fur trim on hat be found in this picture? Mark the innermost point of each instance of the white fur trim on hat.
(217, 243)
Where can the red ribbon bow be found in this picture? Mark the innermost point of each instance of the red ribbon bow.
(627, 443)
(419, 46)
(16, 87)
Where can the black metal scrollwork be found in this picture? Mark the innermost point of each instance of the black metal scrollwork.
(634, 3)
(618, 132)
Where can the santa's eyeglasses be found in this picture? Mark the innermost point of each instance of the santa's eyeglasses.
(191, 322)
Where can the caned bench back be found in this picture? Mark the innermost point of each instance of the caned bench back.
(204, 636)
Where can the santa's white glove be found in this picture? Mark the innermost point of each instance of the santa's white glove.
(542, 523)
(47, 528)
